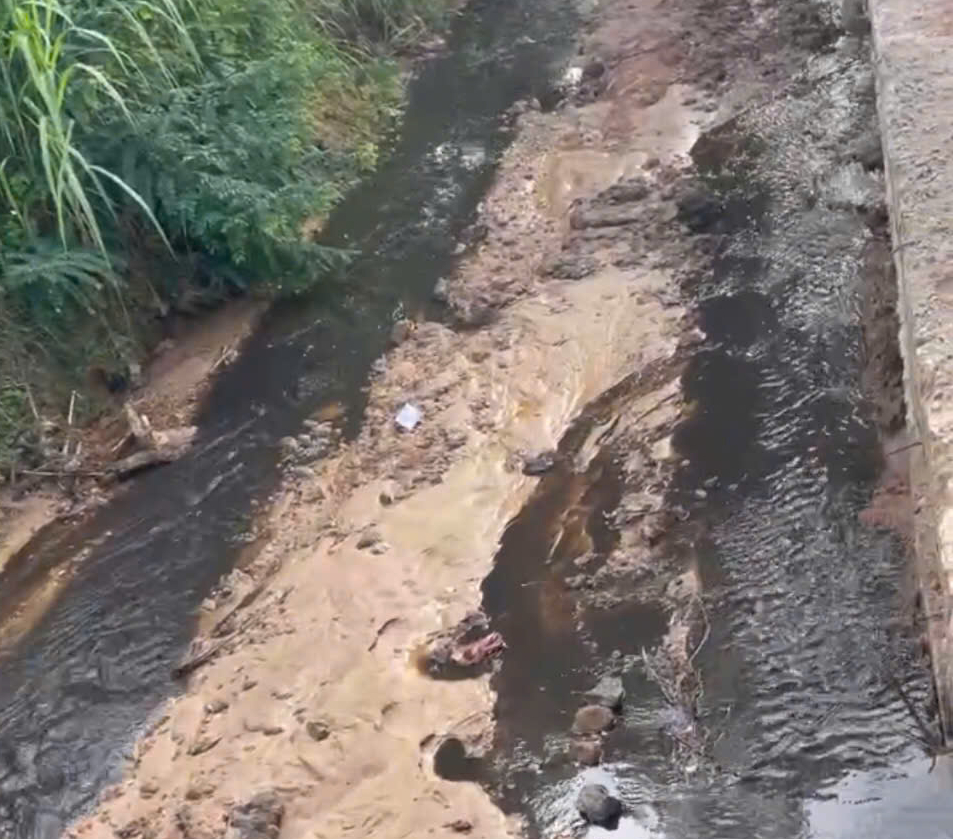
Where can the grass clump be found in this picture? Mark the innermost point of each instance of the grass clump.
(154, 152)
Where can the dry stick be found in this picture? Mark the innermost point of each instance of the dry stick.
(29, 396)
(380, 631)
(69, 422)
(247, 600)
(705, 637)
(65, 473)
(657, 405)
(909, 446)
(208, 654)
(929, 739)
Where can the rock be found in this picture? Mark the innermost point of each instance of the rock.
(441, 291)
(459, 826)
(474, 234)
(258, 818)
(626, 192)
(474, 313)
(537, 464)
(588, 752)
(368, 539)
(148, 789)
(609, 693)
(868, 151)
(699, 210)
(593, 719)
(569, 267)
(289, 445)
(593, 69)
(583, 217)
(318, 731)
(215, 706)
(854, 18)
(597, 806)
(401, 331)
(203, 744)
(196, 790)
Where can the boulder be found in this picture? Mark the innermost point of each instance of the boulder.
(592, 719)
(258, 818)
(597, 806)
(609, 693)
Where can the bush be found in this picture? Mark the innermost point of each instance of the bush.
(132, 130)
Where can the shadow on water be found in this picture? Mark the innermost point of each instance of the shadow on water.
(75, 690)
(809, 608)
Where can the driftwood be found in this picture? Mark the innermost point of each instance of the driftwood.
(157, 447)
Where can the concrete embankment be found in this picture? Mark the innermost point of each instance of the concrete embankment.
(913, 45)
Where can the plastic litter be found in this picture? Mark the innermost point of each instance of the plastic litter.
(408, 417)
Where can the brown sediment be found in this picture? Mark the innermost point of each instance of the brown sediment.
(332, 642)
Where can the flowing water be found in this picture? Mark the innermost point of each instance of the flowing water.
(805, 731)
(79, 685)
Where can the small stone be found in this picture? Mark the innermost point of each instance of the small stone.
(609, 693)
(259, 818)
(368, 538)
(317, 730)
(401, 331)
(593, 719)
(199, 789)
(289, 445)
(148, 789)
(459, 826)
(597, 806)
(593, 69)
(272, 730)
(539, 463)
(441, 291)
(203, 744)
(248, 684)
(215, 706)
(587, 752)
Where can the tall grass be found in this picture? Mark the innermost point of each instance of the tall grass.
(146, 132)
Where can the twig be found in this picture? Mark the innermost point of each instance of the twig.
(380, 631)
(194, 663)
(247, 600)
(929, 739)
(691, 658)
(656, 406)
(907, 447)
(29, 396)
(69, 422)
(65, 473)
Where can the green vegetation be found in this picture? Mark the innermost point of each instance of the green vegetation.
(155, 153)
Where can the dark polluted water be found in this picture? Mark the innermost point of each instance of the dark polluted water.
(811, 644)
(77, 688)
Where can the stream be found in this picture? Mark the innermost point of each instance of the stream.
(809, 610)
(809, 664)
(84, 680)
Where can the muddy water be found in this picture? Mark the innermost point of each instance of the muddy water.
(801, 729)
(96, 657)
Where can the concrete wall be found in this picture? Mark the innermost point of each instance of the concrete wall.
(913, 52)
